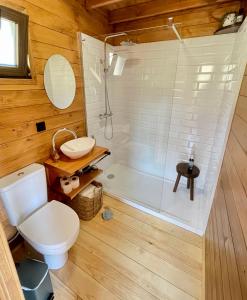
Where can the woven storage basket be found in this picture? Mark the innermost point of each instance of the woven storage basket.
(85, 207)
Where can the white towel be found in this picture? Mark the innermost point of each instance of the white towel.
(88, 191)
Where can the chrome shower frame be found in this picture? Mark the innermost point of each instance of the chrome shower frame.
(170, 24)
(108, 113)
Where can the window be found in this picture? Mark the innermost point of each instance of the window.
(13, 44)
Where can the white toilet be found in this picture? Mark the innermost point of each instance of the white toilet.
(51, 228)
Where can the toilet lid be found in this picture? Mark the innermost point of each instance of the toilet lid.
(52, 226)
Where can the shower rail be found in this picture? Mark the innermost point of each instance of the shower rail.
(171, 25)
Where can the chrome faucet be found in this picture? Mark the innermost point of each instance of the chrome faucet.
(105, 115)
(57, 132)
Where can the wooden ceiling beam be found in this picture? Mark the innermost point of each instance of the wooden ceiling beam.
(92, 4)
(157, 7)
(190, 17)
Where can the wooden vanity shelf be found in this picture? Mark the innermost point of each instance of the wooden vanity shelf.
(85, 180)
(68, 167)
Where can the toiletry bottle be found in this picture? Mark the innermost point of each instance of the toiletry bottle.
(190, 165)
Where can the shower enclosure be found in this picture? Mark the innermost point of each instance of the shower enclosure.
(167, 103)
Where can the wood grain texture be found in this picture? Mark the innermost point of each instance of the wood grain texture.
(124, 3)
(134, 256)
(134, 259)
(53, 29)
(91, 4)
(226, 235)
(68, 167)
(9, 283)
(193, 22)
(156, 8)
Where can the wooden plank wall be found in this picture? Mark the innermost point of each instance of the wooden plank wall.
(226, 235)
(9, 282)
(194, 22)
(53, 30)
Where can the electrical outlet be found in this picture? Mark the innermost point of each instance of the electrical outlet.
(40, 126)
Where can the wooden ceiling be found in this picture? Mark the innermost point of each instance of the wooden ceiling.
(112, 4)
(197, 17)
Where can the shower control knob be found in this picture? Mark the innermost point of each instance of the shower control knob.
(105, 115)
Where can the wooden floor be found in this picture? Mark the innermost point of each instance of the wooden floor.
(133, 256)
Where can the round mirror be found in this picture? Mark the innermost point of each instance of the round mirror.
(59, 80)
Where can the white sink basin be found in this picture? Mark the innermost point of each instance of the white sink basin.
(78, 147)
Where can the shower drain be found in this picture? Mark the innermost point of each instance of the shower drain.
(110, 176)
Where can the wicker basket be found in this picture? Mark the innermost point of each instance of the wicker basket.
(85, 207)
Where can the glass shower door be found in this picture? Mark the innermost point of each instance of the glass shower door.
(142, 104)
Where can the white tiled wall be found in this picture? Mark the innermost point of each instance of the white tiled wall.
(144, 98)
(172, 100)
(202, 73)
(235, 73)
(166, 104)
(93, 55)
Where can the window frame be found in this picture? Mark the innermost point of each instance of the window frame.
(22, 70)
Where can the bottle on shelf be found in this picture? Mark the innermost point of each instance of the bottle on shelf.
(190, 165)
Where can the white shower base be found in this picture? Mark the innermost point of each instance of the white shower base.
(155, 196)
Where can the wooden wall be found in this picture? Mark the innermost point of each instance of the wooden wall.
(10, 287)
(226, 235)
(194, 22)
(53, 29)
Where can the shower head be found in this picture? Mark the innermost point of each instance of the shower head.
(105, 45)
(117, 65)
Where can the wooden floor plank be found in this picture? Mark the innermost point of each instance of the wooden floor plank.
(207, 262)
(61, 291)
(133, 256)
(150, 231)
(153, 263)
(212, 262)
(217, 265)
(150, 281)
(81, 283)
(182, 234)
(119, 284)
(164, 250)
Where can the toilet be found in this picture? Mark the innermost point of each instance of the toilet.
(51, 228)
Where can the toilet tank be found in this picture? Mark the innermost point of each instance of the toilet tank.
(23, 192)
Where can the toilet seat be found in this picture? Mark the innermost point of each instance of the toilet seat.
(52, 229)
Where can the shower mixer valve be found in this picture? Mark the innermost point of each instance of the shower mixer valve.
(105, 115)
